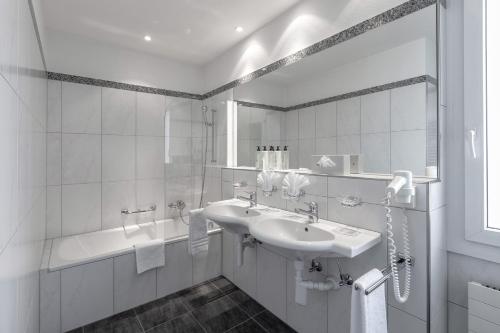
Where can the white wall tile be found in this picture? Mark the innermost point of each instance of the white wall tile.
(118, 111)
(349, 116)
(457, 318)
(86, 294)
(326, 146)
(81, 108)
(408, 151)
(50, 302)
(118, 157)
(81, 208)
(179, 115)
(54, 157)
(208, 266)
(348, 144)
(9, 39)
(302, 204)
(227, 190)
(54, 106)
(129, 288)
(326, 120)
(53, 228)
(307, 123)
(271, 275)
(150, 114)
(227, 175)
(148, 193)
(292, 125)
(376, 152)
(150, 157)
(375, 112)
(399, 321)
(177, 274)
(115, 197)
(408, 108)
(81, 158)
(372, 191)
(306, 149)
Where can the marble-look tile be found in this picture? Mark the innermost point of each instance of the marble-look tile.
(50, 302)
(249, 326)
(349, 116)
(408, 151)
(200, 295)
(118, 111)
(400, 321)
(292, 125)
(326, 120)
(131, 289)
(307, 123)
(220, 315)
(208, 266)
(81, 208)
(81, 108)
(54, 107)
(150, 114)
(408, 108)
(160, 311)
(115, 197)
(272, 323)
(349, 144)
(177, 274)
(86, 294)
(375, 112)
(81, 158)
(125, 322)
(271, 274)
(53, 213)
(150, 157)
(118, 157)
(183, 324)
(246, 303)
(326, 146)
(54, 152)
(224, 285)
(376, 152)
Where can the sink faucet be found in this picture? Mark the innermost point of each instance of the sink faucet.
(312, 213)
(252, 199)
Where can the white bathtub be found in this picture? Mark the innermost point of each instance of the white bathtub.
(84, 248)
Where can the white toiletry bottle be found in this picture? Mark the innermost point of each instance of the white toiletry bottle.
(265, 158)
(258, 158)
(279, 158)
(285, 158)
(272, 158)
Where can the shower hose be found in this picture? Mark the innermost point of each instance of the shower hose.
(393, 256)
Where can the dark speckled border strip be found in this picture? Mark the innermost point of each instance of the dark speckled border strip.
(357, 93)
(119, 85)
(388, 16)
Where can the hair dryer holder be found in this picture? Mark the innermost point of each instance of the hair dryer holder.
(401, 189)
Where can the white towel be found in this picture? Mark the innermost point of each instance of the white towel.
(293, 183)
(198, 232)
(267, 180)
(149, 255)
(368, 312)
(325, 162)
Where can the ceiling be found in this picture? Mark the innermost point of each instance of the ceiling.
(193, 31)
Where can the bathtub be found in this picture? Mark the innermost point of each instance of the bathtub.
(79, 249)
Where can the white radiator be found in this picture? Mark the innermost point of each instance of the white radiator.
(484, 309)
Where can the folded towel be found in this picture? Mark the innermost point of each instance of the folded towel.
(325, 162)
(293, 184)
(198, 232)
(368, 312)
(149, 255)
(267, 180)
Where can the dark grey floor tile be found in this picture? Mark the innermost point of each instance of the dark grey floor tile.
(160, 311)
(224, 285)
(220, 315)
(181, 324)
(246, 303)
(272, 323)
(125, 322)
(249, 326)
(200, 295)
(76, 330)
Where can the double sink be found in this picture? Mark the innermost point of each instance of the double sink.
(291, 232)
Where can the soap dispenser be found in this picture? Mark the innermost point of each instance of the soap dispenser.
(279, 158)
(258, 158)
(285, 158)
(272, 158)
(265, 158)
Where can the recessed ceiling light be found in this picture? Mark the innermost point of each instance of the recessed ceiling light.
(238, 29)
(147, 38)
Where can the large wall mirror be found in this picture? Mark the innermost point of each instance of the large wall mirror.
(372, 97)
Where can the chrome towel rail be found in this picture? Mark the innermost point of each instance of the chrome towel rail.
(139, 211)
(387, 273)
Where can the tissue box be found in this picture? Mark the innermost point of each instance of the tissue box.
(356, 163)
(342, 165)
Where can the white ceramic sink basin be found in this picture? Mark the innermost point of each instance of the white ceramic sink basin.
(232, 217)
(316, 239)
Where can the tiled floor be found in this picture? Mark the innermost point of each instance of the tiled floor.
(215, 306)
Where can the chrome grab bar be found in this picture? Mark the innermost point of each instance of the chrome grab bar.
(387, 273)
(139, 211)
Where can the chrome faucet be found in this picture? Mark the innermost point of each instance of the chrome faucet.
(252, 199)
(312, 213)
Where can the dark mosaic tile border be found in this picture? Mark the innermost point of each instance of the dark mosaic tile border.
(357, 93)
(388, 16)
(119, 85)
